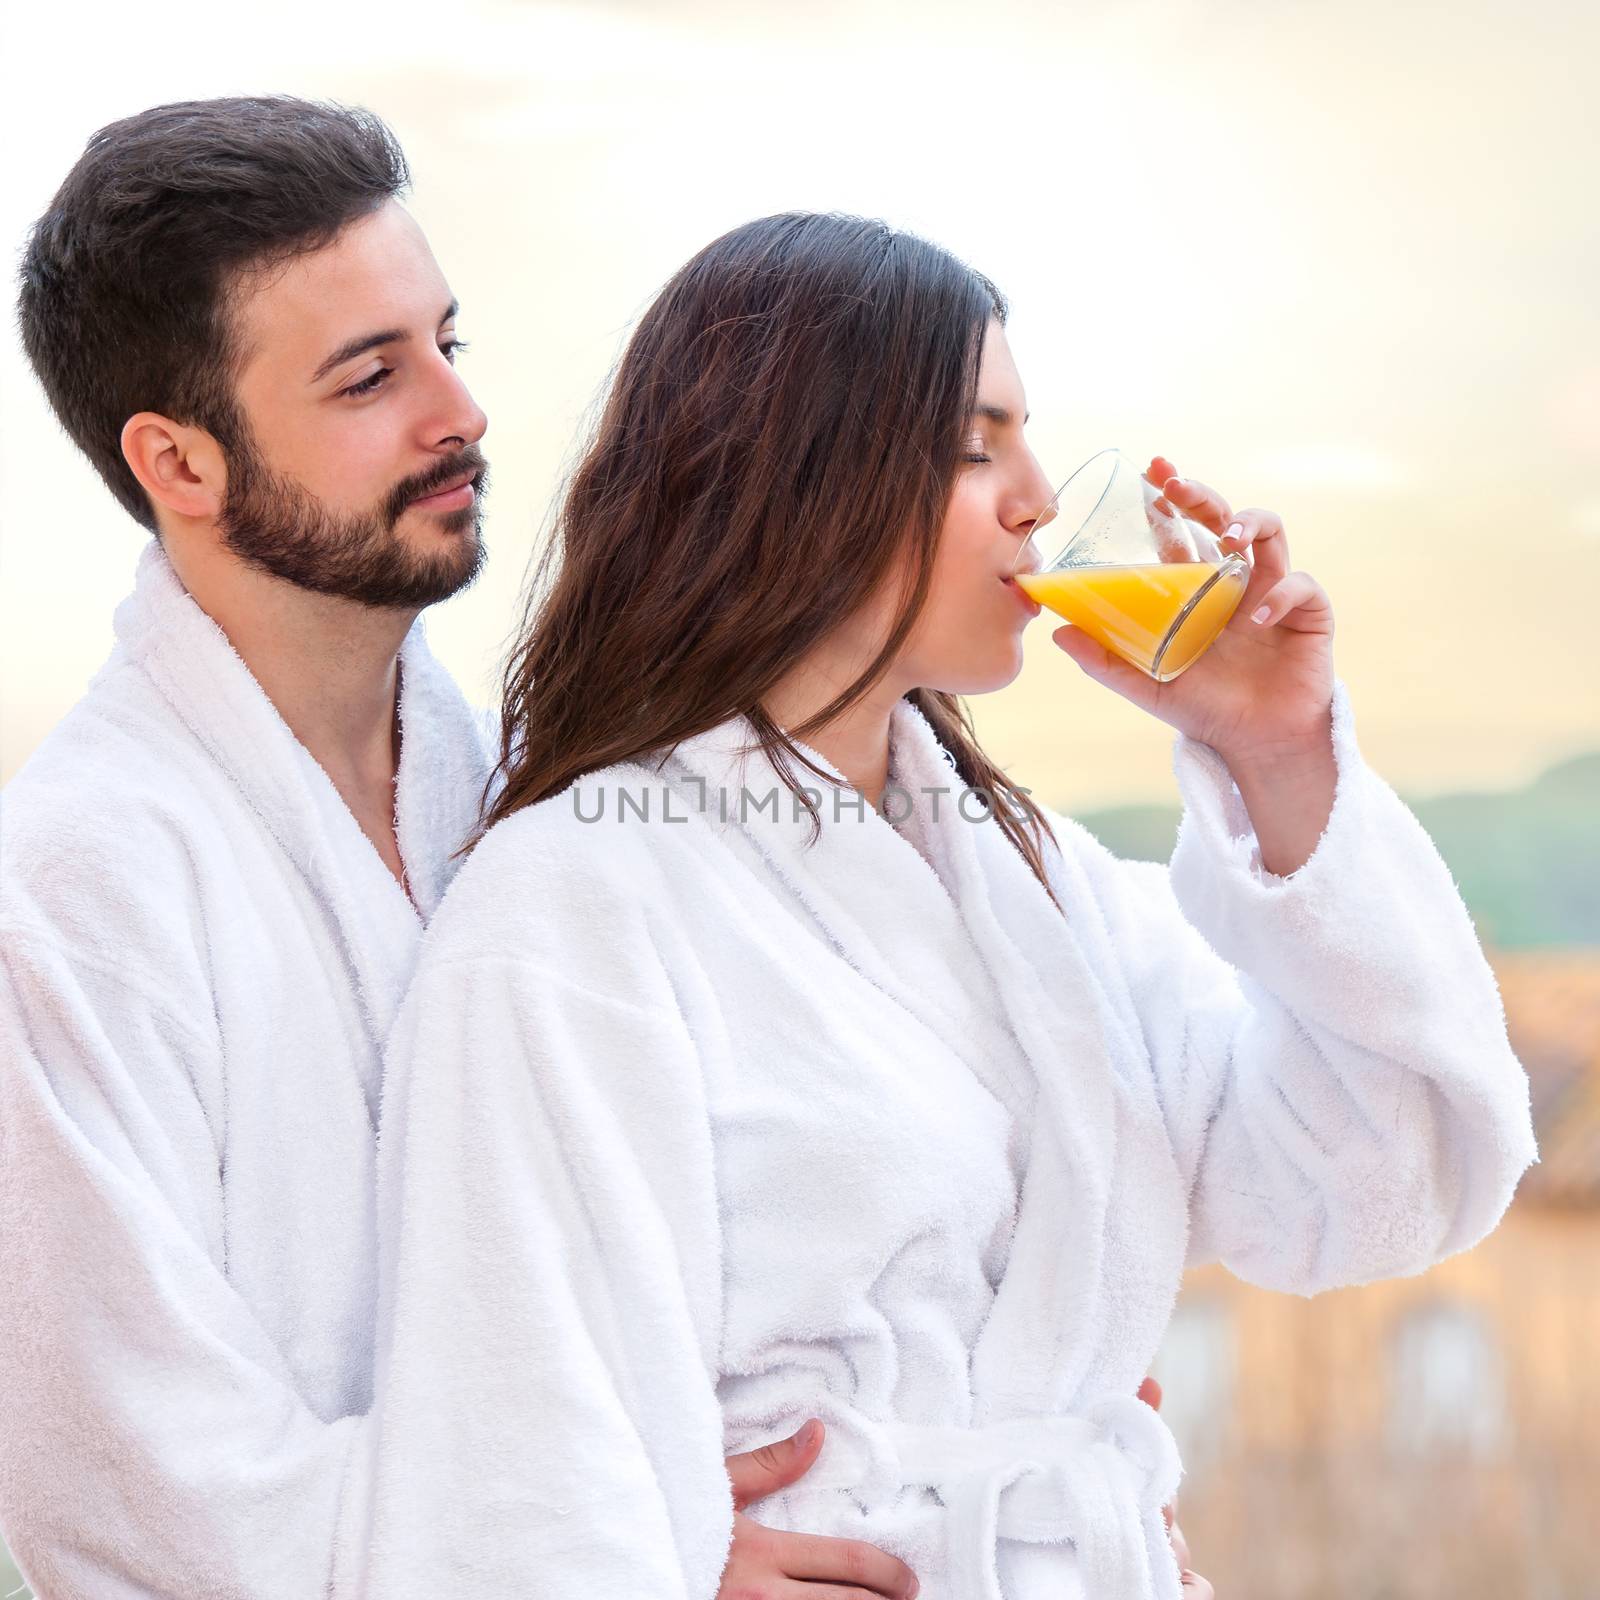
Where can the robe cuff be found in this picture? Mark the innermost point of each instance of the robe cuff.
(1217, 825)
(1374, 899)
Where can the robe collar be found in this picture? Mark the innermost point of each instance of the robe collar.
(875, 897)
(162, 629)
(915, 932)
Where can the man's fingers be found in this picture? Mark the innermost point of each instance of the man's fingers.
(768, 1564)
(1180, 1545)
(1150, 1392)
(851, 1563)
(819, 1591)
(757, 1473)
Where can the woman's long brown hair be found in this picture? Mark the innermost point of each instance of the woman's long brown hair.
(787, 419)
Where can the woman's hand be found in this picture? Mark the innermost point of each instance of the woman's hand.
(1260, 695)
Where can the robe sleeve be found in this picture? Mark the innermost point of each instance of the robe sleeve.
(545, 1421)
(152, 1440)
(1329, 1047)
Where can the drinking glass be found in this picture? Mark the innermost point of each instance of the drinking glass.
(1120, 561)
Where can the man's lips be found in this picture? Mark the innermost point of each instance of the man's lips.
(459, 482)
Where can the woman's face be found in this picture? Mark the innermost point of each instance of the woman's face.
(968, 637)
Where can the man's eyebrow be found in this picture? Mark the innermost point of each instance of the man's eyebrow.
(364, 342)
(995, 414)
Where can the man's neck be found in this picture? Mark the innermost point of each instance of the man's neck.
(330, 667)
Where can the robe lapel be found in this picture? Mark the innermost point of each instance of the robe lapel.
(916, 938)
(1068, 1281)
(878, 901)
(196, 669)
(1060, 1297)
(1033, 1346)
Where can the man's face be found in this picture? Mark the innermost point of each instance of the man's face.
(360, 474)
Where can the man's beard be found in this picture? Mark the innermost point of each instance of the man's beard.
(275, 524)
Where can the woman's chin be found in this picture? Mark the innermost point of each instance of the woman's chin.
(970, 677)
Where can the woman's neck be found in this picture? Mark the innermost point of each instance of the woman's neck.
(856, 741)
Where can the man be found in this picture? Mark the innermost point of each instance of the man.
(215, 871)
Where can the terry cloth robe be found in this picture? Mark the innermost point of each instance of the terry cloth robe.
(201, 955)
(693, 1129)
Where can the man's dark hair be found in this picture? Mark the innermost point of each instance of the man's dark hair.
(126, 278)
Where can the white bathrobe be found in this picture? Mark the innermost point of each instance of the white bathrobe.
(200, 958)
(693, 1130)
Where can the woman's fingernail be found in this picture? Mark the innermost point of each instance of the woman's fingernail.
(1261, 614)
(1235, 532)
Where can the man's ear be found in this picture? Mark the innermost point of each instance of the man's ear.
(180, 467)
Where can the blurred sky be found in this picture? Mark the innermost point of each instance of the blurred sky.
(1336, 259)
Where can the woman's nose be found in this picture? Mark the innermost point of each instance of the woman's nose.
(1032, 496)
(1034, 508)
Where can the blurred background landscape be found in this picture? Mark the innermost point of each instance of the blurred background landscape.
(1527, 860)
(1332, 259)
(1437, 1435)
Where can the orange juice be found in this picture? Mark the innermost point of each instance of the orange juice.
(1132, 609)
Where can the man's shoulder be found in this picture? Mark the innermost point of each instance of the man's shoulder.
(102, 828)
(120, 756)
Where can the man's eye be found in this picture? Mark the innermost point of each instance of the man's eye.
(373, 384)
(450, 349)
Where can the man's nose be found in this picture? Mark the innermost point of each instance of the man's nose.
(459, 418)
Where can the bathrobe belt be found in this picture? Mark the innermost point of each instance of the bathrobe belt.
(1097, 1482)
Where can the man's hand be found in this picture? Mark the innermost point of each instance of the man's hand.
(766, 1564)
(1195, 1587)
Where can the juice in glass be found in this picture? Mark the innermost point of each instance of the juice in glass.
(1158, 615)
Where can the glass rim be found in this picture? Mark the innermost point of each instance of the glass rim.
(1049, 512)
(1058, 552)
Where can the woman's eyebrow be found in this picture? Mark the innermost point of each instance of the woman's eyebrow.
(995, 414)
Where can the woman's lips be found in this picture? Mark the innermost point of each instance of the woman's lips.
(1022, 597)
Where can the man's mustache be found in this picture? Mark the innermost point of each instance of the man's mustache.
(435, 478)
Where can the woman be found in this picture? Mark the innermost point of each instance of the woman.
(723, 1099)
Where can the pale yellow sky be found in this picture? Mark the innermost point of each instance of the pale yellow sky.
(1337, 259)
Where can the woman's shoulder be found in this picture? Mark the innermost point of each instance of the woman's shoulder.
(1069, 847)
(556, 867)
(1084, 870)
